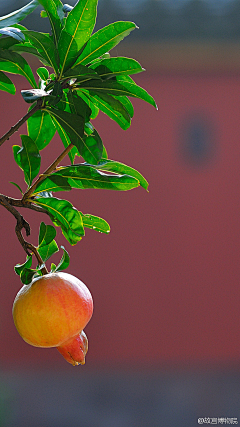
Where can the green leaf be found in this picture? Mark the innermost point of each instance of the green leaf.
(63, 214)
(74, 127)
(8, 42)
(20, 267)
(92, 106)
(107, 68)
(118, 86)
(26, 275)
(55, 16)
(95, 223)
(81, 73)
(78, 28)
(41, 128)
(6, 84)
(127, 104)
(86, 176)
(46, 251)
(65, 139)
(16, 185)
(64, 262)
(46, 234)
(13, 32)
(113, 108)
(120, 168)
(14, 63)
(43, 73)
(33, 95)
(16, 155)
(30, 158)
(104, 40)
(78, 106)
(58, 183)
(45, 46)
(17, 15)
(53, 267)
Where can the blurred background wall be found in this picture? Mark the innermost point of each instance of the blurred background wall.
(164, 346)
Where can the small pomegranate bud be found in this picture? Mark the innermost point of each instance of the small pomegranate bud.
(75, 349)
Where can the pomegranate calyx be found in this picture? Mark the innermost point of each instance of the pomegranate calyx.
(75, 349)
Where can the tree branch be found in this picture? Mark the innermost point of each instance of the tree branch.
(22, 223)
(47, 172)
(21, 122)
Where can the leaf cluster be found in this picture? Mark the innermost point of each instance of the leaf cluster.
(77, 79)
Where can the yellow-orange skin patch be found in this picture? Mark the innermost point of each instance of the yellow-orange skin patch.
(52, 309)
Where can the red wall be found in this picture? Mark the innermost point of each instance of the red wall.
(165, 282)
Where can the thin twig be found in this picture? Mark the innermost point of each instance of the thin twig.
(22, 223)
(47, 172)
(15, 128)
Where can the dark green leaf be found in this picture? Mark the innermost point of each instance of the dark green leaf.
(14, 63)
(16, 185)
(107, 68)
(74, 127)
(113, 108)
(26, 275)
(92, 106)
(56, 94)
(117, 167)
(27, 264)
(78, 28)
(13, 32)
(78, 106)
(55, 15)
(33, 95)
(118, 86)
(86, 176)
(93, 148)
(64, 262)
(63, 214)
(8, 42)
(81, 72)
(17, 15)
(30, 158)
(58, 183)
(104, 40)
(41, 128)
(43, 73)
(127, 104)
(46, 234)
(65, 139)
(95, 223)
(6, 84)
(45, 46)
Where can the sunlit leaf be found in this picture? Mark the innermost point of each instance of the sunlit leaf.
(45, 46)
(104, 40)
(20, 267)
(121, 168)
(86, 176)
(14, 63)
(41, 128)
(64, 262)
(6, 84)
(55, 15)
(95, 223)
(77, 30)
(43, 73)
(107, 68)
(16, 185)
(30, 159)
(63, 214)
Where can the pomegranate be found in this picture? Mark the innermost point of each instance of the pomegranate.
(52, 312)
